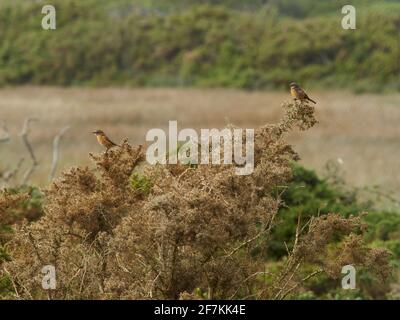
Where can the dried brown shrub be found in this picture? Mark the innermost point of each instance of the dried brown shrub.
(8, 204)
(189, 234)
(17, 205)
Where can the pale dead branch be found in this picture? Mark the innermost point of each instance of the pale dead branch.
(11, 174)
(284, 294)
(28, 145)
(56, 151)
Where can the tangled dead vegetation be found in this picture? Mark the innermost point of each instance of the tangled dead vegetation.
(127, 230)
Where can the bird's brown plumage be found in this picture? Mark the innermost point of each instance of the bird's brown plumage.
(299, 93)
(104, 140)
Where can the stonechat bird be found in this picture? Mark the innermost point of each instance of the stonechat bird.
(104, 140)
(299, 93)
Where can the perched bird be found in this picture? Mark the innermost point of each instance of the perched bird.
(104, 140)
(299, 93)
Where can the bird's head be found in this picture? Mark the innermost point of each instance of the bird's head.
(98, 133)
(293, 85)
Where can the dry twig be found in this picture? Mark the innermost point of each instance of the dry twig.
(56, 151)
(28, 145)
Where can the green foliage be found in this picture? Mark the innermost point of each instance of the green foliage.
(218, 43)
(140, 183)
(308, 195)
(5, 286)
(18, 204)
(384, 230)
(30, 208)
(4, 255)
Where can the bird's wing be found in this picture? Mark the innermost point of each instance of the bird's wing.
(111, 142)
(307, 97)
(302, 93)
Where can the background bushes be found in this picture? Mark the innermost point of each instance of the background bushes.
(264, 44)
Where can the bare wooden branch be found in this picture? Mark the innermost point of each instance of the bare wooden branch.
(265, 230)
(281, 292)
(284, 295)
(25, 140)
(264, 273)
(10, 174)
(297, 230)
(56, 151)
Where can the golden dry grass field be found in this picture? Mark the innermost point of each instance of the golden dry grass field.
(362, 130)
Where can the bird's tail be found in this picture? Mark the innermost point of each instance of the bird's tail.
(311, 100)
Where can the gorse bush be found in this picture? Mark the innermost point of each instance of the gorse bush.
(192, 234)
(207, 45)
(17, 205)
(309, 196)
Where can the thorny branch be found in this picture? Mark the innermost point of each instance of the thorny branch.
(313, 274)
